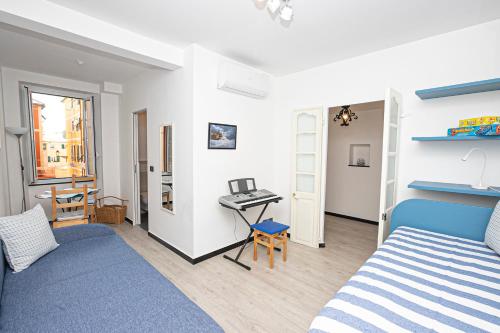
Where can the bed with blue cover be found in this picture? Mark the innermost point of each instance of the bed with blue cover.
(94, 282)
(432, 274)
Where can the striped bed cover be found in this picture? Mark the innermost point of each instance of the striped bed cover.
(419, 281)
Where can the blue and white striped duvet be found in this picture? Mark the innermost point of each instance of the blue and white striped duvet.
(419, 281)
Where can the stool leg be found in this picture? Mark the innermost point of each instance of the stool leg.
(285, 240)
(271, 254)
(255, 234)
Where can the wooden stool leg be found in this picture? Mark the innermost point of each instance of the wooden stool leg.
(255, 235)
(271, 254)
(285, 240)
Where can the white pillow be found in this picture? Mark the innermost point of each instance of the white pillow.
(26, 238)
(492, 236)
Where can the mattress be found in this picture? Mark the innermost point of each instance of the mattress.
(419, 281)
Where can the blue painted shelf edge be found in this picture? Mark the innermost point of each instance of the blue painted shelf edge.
(460, 89)
(455, 138)
(452, 188)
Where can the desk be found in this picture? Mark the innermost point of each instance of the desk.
(264, 203)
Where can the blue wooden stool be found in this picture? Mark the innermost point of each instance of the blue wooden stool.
(267, 233)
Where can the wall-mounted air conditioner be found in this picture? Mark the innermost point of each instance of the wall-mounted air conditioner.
(240, 80)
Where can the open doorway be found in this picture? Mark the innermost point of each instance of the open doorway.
(354, 169)
(141, 168)
(310, 142)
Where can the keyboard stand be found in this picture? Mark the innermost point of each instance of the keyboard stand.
(247, 240)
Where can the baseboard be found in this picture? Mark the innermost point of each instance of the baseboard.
(220, 251)
(352, 218)
(171, 248)
(204, 257)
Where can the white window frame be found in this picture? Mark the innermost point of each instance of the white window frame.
(27, 90)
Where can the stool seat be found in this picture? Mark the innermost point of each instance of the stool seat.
(270, 227)
(267, 233)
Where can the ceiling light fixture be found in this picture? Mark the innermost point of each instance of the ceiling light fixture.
(286, 12)
(273, 5)
(346, 115)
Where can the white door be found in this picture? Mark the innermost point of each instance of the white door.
(390, 155)
(306, 176)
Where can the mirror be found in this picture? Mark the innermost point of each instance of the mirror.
(166, 167)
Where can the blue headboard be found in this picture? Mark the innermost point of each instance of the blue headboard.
(444, 217)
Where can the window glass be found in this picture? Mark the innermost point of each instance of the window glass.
(62, 128)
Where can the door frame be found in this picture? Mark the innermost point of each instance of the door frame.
(326, 124)
(136, 174)
(384, 213)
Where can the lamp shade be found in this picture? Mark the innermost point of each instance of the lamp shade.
(17, 131)
(286, 13)
(273, 5)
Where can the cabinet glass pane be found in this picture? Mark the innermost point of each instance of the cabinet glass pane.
(391, 167)
(306, 122)
(305, 163)
(389, 195)
(306, 143)
(394, 111)
(305, 183)
(393, 139)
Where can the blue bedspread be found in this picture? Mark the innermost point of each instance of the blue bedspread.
(95, 282)
(419, 281)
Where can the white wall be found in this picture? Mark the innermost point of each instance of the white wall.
(13, 116)
(461, 56)
(355, 191)
(168, 97)
(216, 227)
(189, 98)
(110, 111)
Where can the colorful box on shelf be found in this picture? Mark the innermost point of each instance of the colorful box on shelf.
(485, 130)
(478, 121)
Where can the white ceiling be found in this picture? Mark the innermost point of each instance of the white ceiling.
(323, 31)
(39, 54)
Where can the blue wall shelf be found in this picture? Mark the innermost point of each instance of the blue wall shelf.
(460, 89)
(452, 188)
(456, 138)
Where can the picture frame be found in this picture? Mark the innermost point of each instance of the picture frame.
(222, 136)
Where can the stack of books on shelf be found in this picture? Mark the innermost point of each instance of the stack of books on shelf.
(480, 126)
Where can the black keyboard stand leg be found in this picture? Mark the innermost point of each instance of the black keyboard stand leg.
(236, 260)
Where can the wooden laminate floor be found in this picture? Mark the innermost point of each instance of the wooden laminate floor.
(284, 299)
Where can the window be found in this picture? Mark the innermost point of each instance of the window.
(62, 134)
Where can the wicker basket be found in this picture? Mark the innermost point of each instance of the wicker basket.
(111, 213)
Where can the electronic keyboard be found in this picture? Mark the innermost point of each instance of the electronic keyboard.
(249, 199)
(244, 194)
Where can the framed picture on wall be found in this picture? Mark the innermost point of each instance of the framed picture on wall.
(221, 136)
